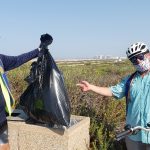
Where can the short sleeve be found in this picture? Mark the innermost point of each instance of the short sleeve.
(119, 89)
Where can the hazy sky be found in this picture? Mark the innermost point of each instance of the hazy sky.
(80, 28)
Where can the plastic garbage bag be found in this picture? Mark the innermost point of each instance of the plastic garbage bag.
(46, 99)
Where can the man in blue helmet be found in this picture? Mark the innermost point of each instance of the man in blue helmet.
(8, 63)
(138, 101)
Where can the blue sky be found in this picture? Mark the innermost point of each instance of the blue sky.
(80, 28)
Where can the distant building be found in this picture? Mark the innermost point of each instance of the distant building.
(103, 57)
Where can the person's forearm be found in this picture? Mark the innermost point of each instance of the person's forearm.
(105, 91)
(11, 62)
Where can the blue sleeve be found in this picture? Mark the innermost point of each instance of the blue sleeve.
(119, 89)
(11, 62)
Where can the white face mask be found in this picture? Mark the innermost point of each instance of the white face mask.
(143, 66)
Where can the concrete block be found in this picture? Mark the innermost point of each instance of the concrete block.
(24, 136)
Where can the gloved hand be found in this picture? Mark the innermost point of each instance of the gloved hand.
(46, 40)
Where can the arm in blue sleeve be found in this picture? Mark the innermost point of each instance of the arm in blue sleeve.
(11, 62)
(119, 89)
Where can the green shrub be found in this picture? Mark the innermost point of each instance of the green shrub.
(106, 113)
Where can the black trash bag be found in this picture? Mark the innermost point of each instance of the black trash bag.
(46, 99)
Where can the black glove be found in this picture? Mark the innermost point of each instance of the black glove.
(46, 40)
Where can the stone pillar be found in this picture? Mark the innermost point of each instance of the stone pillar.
(24, 136)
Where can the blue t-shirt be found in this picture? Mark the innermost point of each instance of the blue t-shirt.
(138, 113)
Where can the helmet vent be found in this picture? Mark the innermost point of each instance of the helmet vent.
(143, 46)
(132, 49)
(135, 48)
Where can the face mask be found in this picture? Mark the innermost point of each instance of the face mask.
(143, 66)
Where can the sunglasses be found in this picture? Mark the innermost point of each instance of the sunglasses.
(134, 59)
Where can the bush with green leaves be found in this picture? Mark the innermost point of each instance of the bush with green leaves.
(107, 114)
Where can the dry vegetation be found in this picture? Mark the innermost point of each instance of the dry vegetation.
(107, 115)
